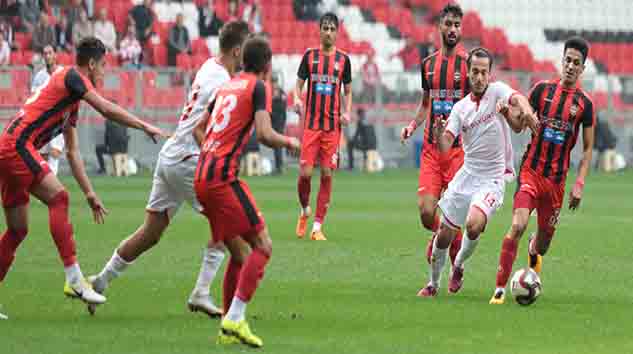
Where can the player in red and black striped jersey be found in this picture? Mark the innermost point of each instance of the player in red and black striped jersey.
(327, 70)
(52, 110)
(444, 83)
(238, 107)
(562, 107)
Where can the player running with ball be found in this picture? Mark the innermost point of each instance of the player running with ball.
(562, 106)
(483, 119)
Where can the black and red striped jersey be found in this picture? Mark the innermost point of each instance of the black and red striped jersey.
(231, 123)
(46, 113)
(325, 74)
(561, 111)
(445, 79)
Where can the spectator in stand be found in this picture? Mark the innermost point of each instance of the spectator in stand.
(29, 14)
(9, 8)
(5, 51)
(365, 140)
(104, 30)
(371, 78)
(63, 35)
(410, 55)
(278, 120)
(143, 17)
(7, 31)
(43, 34)
(235, 11)
(605, 142)
(82, 28)
(253, 16)
(209, 23)
(73, 12)
(306, 10)
(178, 42)
(130, 49)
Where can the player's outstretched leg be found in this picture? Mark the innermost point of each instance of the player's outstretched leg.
(200, 299)
(303, 189)
(144, 238)
(17, 229)
(509, 246)
(52, 193)
(475, 225)
(323, 202)
(234, 323)
(445, 236)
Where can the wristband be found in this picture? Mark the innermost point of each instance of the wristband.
(413, 125)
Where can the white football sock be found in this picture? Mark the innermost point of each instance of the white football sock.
(503, 290)
(237, 310)
(53, 163)
(73, 274)
(113, 269)
(438, 259)
(211, 261)
(305, 211)
(467, 250)
(316, 227)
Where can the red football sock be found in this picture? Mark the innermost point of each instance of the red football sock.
(231, 277)
(9, 243)
(323, 199)
(252, 274)
(455, 246)
(506, 259)
(303, 187)
(61, 229)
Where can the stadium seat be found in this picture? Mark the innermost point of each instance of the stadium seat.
(183, 61)
(199, 47)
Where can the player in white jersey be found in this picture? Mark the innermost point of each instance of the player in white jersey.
(174, 174)
(53, 150)
(483, 119)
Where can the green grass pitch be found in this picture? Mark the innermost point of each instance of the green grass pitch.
(354, 293)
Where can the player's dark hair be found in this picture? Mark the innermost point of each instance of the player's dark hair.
(233, 34)
(329, 17)
(580, 44)
(453, 9)
(256, 54)
(479, 52)
(90, 48)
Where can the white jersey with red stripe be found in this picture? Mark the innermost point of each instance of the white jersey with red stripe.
(182, 144)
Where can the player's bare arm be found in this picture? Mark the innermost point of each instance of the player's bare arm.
(446, 139)
(423, 111)
(518, 113)
(200, 130)
(583, 169)
(347, 94)
(79, 173)
(114, 112)
(269, 137)
(298, 91)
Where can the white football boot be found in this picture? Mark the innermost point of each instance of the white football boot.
(203, 303)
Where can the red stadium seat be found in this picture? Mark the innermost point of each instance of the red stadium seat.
(27, 57)
(23, 40)
(183, 61)
(159, 55)
(63, 58)
(472, 26)
(199, 47)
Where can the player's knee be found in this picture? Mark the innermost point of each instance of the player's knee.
(427, 217)
(474, 229)
(18, 234)
(305, 171)
(445, 236)
(326, 172)
(61, 199)
(264, 243)
(517, 229)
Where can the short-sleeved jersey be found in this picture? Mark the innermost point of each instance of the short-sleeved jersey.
(561, 111)
(231, 123)
(47, 112)
(445, 79)
(182, 144)
(325, 74)
(39, 80)
(485, 133)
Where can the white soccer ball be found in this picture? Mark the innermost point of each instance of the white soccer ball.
(525, 286)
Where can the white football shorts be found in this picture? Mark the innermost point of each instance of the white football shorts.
(466, 191)
(172, 185)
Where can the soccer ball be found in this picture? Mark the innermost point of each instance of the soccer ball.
(525, 286)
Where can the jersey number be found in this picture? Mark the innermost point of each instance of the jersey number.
(221, 115)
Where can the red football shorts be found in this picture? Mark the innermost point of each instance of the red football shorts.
(230, 209)
(19, 172)
(542, 194)
(436, 171)
(321, 145)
